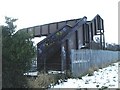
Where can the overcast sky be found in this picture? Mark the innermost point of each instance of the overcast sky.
(38, 12)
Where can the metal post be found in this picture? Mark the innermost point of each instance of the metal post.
(63, 58)
(103, 40)
(44, 64)
(100, 39)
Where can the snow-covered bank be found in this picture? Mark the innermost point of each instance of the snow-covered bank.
(106, 77)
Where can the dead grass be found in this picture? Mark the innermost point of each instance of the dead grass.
(44, 80)
(91, 70)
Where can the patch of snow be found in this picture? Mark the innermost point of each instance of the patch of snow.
(107, 77)
(55, 72)
(31, 73)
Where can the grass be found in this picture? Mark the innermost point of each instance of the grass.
(44, 80)
(91, 70)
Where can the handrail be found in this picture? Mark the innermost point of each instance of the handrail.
(60, 30)
(78, 24)
(52, 34)
(56, 38)
(53, 39)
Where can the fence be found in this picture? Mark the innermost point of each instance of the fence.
(82, 60)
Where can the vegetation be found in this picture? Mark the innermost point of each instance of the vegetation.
(44, 80)
(112, 47)
(17, 51)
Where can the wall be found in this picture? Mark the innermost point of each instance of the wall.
(82, 60)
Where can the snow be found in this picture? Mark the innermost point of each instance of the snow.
(31, 73)
(55, 72)
(107, 77)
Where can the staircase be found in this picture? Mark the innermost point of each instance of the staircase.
(49, 49)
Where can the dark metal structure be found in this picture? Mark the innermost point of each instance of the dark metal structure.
(53, 53)
(47, 29)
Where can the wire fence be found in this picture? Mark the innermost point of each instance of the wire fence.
(83, 60)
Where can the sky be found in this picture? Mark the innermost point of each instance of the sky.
(37, 12)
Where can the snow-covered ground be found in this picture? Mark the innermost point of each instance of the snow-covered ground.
(106, 77)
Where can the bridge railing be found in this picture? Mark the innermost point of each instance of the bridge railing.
(52, 39)
(56, 37)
